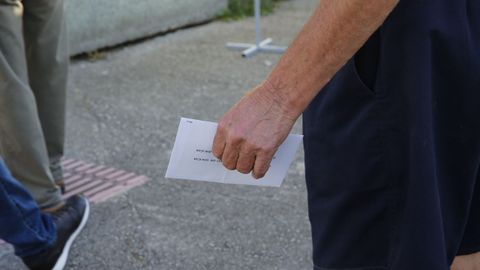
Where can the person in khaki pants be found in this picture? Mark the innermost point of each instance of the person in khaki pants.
(33, 77)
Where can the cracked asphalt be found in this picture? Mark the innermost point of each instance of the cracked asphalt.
(123, 111)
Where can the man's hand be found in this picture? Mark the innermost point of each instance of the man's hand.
(250, 133)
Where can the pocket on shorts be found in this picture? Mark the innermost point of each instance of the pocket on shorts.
(365, 63)
(343, 142)
(346, 171)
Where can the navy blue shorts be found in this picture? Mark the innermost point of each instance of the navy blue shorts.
(392, 145)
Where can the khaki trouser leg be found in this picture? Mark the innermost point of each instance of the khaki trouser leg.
(22, 142)
(47, 59)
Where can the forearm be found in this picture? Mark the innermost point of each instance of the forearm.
(249, 134)
(336, 30)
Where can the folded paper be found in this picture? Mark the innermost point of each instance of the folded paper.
(192, 157)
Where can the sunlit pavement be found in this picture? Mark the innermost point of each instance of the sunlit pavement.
(123, 113)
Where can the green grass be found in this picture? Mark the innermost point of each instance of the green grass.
(238, 9)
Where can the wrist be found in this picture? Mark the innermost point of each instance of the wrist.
(283, 97)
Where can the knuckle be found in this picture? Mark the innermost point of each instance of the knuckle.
(267, 149)
(247, 152)
(236, 139)
(265, 155)
(221, 127)
(270, 153)
(253, 147)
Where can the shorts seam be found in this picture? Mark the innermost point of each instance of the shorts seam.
(390, 190)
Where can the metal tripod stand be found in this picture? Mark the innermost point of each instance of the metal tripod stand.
(260, 45)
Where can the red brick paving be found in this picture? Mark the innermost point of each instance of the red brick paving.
(97, 183)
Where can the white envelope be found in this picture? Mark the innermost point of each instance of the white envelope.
(192, 157)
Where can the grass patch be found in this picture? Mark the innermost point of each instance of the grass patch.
(238, 9)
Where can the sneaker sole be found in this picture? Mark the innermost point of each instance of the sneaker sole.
(62, 260)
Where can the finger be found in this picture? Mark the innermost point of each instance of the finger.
(219, 143)
(262, 164)
(245, 162)
(230, 156)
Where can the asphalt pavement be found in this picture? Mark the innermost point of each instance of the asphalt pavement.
(123, 111)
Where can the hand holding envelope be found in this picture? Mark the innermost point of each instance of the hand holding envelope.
(192, 157)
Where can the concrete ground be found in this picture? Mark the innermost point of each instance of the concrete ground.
(124, 111)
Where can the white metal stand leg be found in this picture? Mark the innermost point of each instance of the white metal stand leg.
(260, 45)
